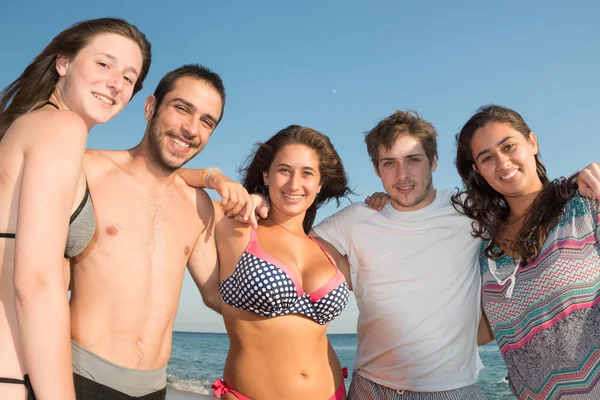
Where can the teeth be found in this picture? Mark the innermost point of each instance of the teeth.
(405, 187)
(509, 175)
(104, 99)
(287, 196)
(180, 143)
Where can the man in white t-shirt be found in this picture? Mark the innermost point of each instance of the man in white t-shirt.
(414, 272)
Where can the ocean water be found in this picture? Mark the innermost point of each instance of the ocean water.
(198, 359)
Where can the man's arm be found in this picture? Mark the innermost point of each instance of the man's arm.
(203, 263)
(235, 200)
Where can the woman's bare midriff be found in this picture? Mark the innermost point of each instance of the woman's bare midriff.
(284, 357)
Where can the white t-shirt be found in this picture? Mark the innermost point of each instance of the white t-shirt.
(417, 284)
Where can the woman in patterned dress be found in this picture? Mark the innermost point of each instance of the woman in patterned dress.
(540, 259)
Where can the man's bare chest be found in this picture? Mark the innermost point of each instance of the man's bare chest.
(143, 219)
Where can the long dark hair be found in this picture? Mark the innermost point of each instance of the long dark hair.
(488, 208)
(37, 83)
(334, 179)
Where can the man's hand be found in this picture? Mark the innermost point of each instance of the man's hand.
(377, 200)
(259, 205)
(588, 181)
(235, 200)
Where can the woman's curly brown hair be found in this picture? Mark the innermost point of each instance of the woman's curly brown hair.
(488, 208)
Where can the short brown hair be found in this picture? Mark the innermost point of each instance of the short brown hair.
(195, 71)
(389, 129)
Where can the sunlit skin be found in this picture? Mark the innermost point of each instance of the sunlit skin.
(290, 352)
(293, 181)
(99, 81)
(505, 158)
(150, 239)
(183, 123)
(405, 173)
(95, 85)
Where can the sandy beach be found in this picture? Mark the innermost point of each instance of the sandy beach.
(173, 394)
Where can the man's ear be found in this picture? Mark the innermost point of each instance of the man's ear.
(434, 163)
(150, 107)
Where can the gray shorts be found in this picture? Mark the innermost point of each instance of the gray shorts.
(363, 389)
(131, 382)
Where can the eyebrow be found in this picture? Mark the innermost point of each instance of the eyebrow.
(289, 166)
(193, 107)
(406, 156)
(414, 155)
(488, 150)
(113, 58)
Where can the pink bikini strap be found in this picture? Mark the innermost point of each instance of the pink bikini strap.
(252, 242)
(340, 394)
(219, 388)
(323, 250)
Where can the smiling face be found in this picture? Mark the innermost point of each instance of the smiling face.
(182, 125)
(405, 173)
(293, 179)
(505, 158)
(99, 81)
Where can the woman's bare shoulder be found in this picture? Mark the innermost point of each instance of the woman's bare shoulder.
(48, 128)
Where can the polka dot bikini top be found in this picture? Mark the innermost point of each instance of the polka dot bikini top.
(264, 285)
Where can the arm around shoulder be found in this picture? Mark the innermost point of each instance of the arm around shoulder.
(235, 200)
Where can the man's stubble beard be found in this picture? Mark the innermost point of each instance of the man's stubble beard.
(156, 149)
(419, 199)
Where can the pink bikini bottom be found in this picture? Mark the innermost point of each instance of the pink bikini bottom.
(219, 387)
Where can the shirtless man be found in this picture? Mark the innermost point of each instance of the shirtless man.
(150, 226)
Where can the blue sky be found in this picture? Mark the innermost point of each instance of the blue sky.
(341, 66)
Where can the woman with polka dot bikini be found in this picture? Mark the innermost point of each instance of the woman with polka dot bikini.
(279, 288)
